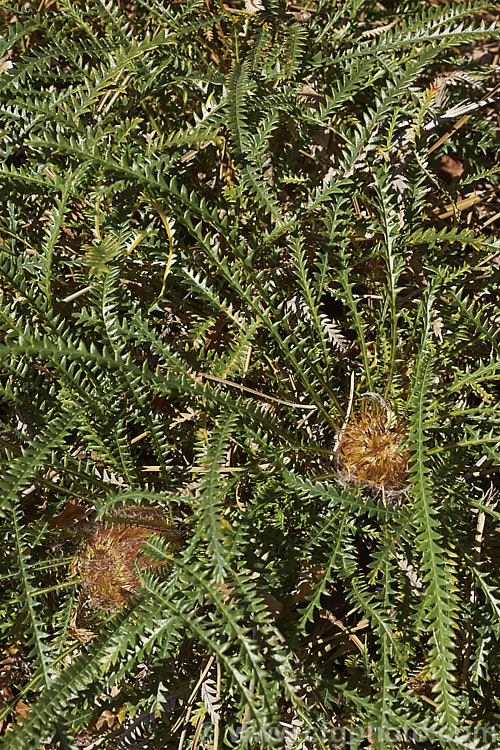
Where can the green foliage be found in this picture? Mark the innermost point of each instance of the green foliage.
(221, 230)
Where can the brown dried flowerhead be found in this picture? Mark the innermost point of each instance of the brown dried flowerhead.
(106, 566)
(371, 449)
(108, 561)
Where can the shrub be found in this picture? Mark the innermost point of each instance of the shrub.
(246, 297)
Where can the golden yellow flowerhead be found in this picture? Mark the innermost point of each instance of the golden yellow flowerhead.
(371, 449)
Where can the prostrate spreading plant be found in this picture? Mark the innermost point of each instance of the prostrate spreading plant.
(248, 365)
